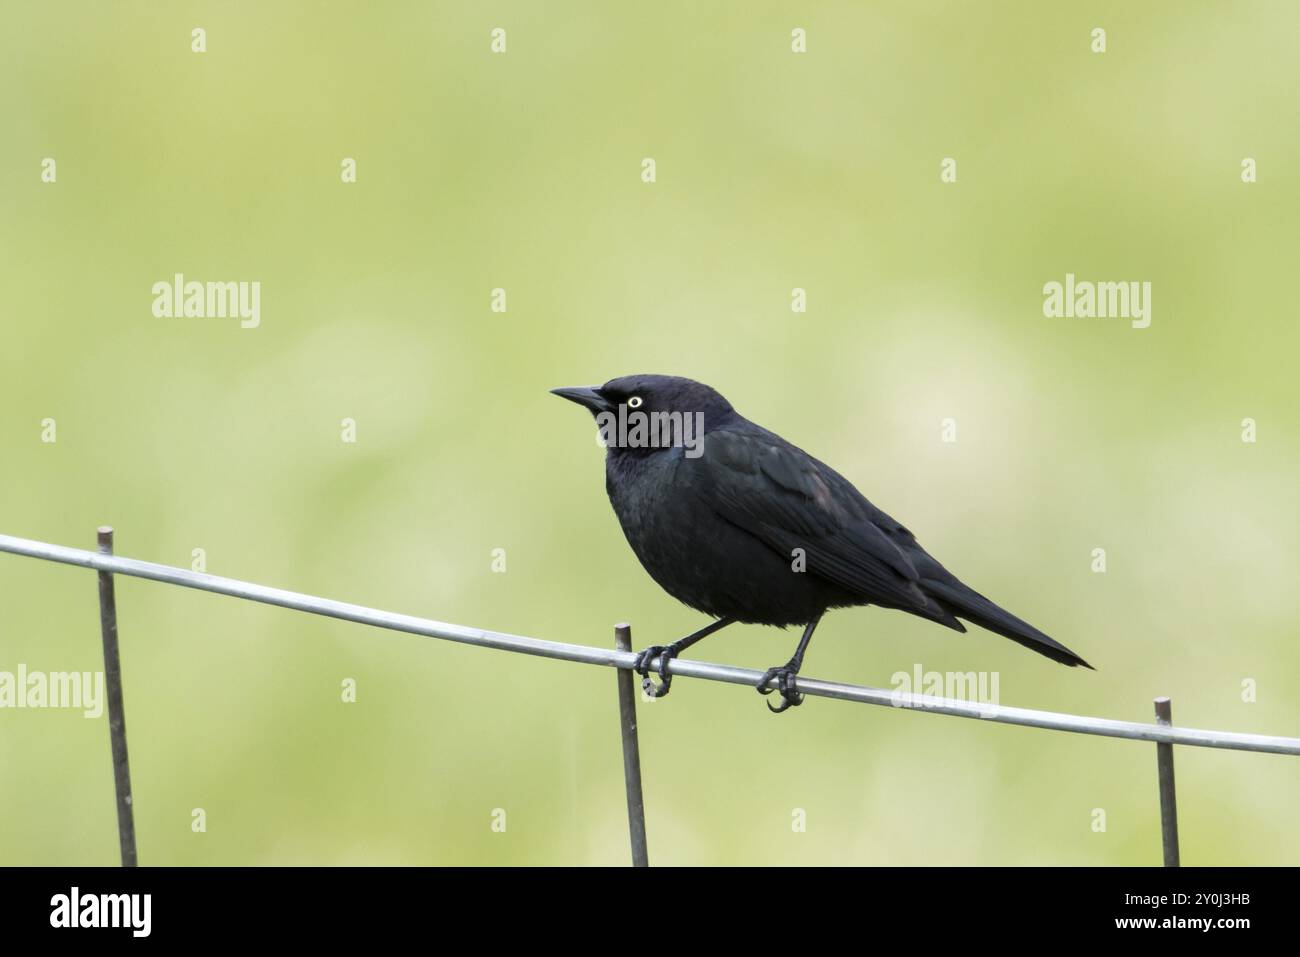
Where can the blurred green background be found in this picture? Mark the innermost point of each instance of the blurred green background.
(775, 170)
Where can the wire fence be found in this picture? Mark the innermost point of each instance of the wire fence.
(1163, 733)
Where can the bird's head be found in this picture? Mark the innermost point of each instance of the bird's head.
(648, 393)
(664, 404)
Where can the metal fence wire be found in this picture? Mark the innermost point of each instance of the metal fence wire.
(1163, 733)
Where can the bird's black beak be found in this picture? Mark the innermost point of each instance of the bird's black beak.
(587, 396)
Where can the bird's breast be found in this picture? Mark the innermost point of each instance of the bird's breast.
(696, 555)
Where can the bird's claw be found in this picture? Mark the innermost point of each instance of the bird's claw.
(642, 667)
(784, 676)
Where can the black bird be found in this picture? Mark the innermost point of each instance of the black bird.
(734, 521)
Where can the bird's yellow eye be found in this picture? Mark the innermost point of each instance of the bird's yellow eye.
(634, 402)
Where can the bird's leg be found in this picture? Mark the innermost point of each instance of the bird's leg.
(666, 654)
(785, 674)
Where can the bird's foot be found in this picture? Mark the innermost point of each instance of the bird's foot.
(784, 675)
(665, 654)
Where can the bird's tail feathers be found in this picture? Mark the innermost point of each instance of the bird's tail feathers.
(969, 604)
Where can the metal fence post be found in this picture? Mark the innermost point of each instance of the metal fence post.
(116, 715)
(631, 752)
(1168, 800)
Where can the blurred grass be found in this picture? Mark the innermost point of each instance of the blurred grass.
(521, 171)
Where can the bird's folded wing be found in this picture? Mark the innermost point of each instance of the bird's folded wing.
(787, 499)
